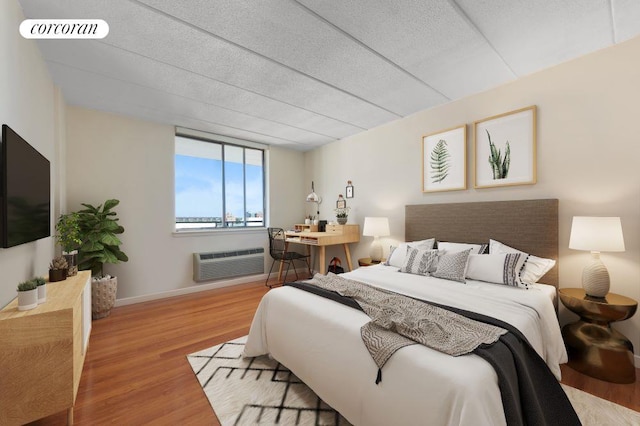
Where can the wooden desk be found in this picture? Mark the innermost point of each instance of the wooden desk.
(334, 235)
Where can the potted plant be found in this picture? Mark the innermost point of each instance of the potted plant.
(27, 295)
(342, 214)
(68, 236)
(58, 269)
(41, 285)
(100, 244)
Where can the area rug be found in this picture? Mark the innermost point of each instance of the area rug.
(262, 391)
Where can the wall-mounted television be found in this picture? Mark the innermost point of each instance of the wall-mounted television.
(25, 191)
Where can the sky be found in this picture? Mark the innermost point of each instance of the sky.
(199, 187)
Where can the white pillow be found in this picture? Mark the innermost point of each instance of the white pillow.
(397, 254)
(458, 247)
(418, 261)
(534, 268)
(502, 268)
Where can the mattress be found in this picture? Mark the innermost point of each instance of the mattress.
(319, 340)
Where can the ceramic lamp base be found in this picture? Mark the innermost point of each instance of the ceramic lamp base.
(595, 278)
(375, 252)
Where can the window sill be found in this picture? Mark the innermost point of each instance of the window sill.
(211, 232)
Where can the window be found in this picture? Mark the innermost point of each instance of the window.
(218, 184)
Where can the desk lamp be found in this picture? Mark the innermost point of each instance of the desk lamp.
(314, 198)
(376, 227)
(596, 234)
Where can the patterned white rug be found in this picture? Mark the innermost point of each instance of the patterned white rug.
(262, 391)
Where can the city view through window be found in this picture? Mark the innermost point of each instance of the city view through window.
(218, 185)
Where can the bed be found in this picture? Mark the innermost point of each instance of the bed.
(319, 339)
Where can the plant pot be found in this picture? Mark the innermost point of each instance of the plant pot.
(27, 299)
(72, 262)
(342, 220)
(56, 275)
(42, 293)
(103, 296)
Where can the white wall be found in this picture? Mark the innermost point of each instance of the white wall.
(32, 106)
(112, 156)
(588, 158)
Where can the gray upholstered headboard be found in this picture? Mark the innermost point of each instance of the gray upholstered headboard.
(528, 225)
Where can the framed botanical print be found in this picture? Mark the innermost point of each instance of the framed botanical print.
(504, 149)
(444, 160)
(349, 190)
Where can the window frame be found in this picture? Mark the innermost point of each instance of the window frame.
(224, 141)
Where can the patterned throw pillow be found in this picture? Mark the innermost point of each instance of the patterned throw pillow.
(534, 268)
(452, 266)
(418, 261)
(398, 254)
(503, 268)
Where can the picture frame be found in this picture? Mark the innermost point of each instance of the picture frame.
(341, 203)
(505, 149)
(349, 190)
(444, 160)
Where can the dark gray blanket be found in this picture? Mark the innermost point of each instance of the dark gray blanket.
(530, 393)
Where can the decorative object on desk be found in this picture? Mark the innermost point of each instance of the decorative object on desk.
(505, 149)
(444, 160)
(334, 266)
(41, 284)
(314, 198)
(68, 237)
(341, 203)
(376, 227)
(596, 234)
(349, 190)
(342, 214)
(98, 230)
(27, 295)
(58, 269)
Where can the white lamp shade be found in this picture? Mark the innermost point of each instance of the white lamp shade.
(376, 227)
(596, 234)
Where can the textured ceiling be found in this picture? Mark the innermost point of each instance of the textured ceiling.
(300, 74)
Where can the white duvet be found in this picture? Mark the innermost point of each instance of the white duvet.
(319, 340)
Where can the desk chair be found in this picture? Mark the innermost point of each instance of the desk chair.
(277, 250)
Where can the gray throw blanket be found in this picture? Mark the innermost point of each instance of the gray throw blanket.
(398, 321)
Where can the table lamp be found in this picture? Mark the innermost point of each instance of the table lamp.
(376, 227)
(596, 234)
(314, 198)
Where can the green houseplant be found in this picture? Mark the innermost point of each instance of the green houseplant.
(68, 236)
(41, 284)
(342, 214)
(27, 295)
(58, 269)
(99, 230)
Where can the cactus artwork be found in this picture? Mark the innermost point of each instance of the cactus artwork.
(499, 165)
(440, 159)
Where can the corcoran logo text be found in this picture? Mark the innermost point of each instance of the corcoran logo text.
(64, 28)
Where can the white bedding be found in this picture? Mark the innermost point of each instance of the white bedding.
(319, 340)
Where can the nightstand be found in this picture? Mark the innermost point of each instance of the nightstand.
(594, 347)
(366, 261)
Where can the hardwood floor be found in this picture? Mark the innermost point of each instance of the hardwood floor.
(136, 370)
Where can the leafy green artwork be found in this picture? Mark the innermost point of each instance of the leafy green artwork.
(440, 161)
(499, 166)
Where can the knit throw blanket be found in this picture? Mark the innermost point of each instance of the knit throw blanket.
(398, 321)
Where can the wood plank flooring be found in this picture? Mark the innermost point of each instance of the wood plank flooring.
(136, 371)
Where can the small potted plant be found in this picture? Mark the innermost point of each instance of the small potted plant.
(27, 295)
(41, 284)
(342, 214)
(68, 236)
(58, 269)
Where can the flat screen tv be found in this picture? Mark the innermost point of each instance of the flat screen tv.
(25, 182)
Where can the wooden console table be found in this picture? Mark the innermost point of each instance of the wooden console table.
(333, 235)
(42, 352)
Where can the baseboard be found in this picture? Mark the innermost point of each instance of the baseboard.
(195, 288)
(189, 290)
